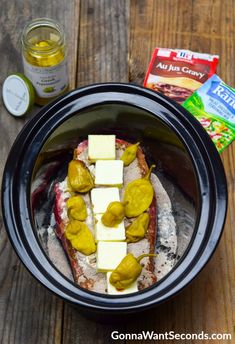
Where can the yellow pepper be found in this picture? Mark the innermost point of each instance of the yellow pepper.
(76, 208)
(137, 229)
(127, 271)
(138, 195)
(129, 154)
(80, 237)
(114, 214)
(79, 177)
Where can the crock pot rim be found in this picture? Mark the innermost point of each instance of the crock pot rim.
(154, 95)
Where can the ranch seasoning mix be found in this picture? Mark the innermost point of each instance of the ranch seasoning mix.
(213, 104)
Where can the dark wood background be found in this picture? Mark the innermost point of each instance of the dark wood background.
(112, 40)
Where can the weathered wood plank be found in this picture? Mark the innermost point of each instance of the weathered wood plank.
(28, 312)
(156, 24)
(103, 42)
(79, 329)
(205, 26)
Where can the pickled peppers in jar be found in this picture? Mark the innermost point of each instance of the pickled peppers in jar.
(44, 59)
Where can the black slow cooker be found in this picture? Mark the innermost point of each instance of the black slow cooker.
(172, 138)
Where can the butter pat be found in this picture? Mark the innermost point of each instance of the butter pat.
(113, 291)
(101, 147)
(109, 172)
(103, 233)
(110, 254)
(101, 197)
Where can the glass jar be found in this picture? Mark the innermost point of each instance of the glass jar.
(44, 59)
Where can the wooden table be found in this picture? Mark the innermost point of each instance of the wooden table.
(112, 40)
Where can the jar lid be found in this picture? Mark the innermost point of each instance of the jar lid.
(18, 94)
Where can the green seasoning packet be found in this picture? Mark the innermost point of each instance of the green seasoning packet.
(213, 104)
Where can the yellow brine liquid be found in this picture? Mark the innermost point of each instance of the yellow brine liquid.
(44, 59)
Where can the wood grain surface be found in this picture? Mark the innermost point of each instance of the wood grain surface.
(112, 41)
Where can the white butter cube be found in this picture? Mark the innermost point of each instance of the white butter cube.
(133, 288)
(101, 197)
(110, 254)
(103, 233)
(101, 147)
(109, 172)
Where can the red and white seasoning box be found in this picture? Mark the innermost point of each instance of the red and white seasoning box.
(178, 73)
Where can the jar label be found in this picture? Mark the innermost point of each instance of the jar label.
(47, 81)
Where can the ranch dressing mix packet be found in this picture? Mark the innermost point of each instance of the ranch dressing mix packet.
(213, 104)
(178, 73)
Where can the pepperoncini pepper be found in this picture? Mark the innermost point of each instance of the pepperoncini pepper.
(79, 176)
(127, 271)
(138, 195)
(80, 237)
(137, 229)
(114, 214)
(129, 154)
(76, 208)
